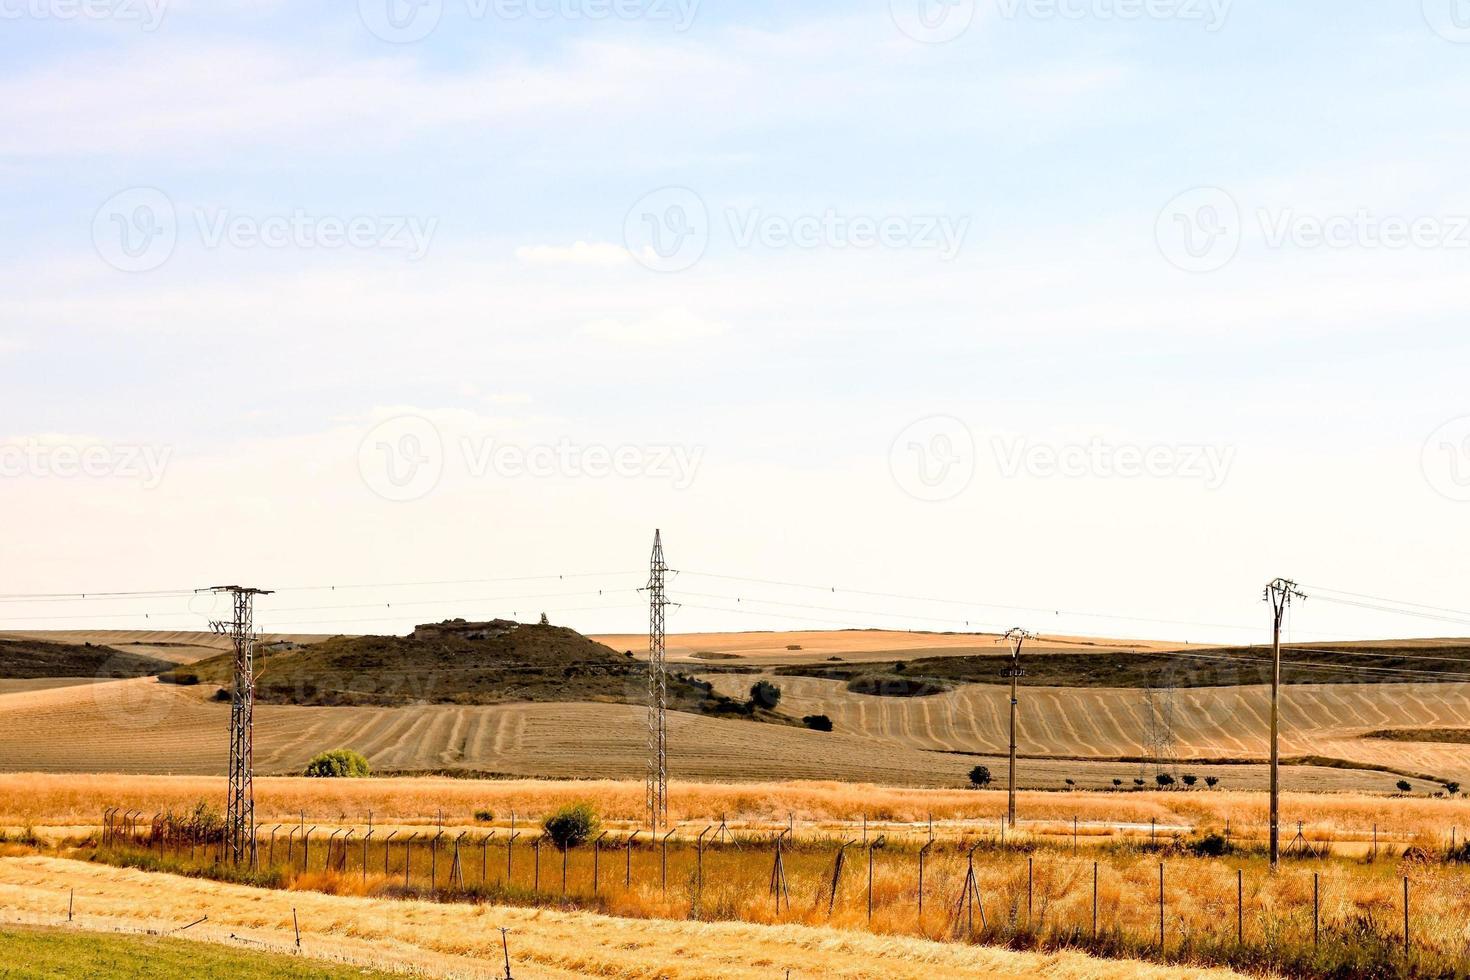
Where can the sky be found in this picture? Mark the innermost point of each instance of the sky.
(1086, 316)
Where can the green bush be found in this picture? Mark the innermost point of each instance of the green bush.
(980, 776)
(572, 825)
(484, 816)
(818, 723)
(338, 764)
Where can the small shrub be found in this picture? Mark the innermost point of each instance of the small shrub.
(1117, 783)
(1210, 845)
(1071, 783)
(484, 816)
(183, 678)
(1212, 781)
(1164, 780)
(1190, 779)
(221, 695)
(1452, 788)
(572, 825)
(338, 764)
(818, 723)
(980, 777)
(1405, 786)
(1138, 784)
(764, 694)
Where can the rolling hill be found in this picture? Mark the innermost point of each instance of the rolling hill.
(24, 659)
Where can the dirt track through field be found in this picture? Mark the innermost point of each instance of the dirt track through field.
(461, 940)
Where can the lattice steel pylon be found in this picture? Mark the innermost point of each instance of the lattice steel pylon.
(240, 807)
(658, 691)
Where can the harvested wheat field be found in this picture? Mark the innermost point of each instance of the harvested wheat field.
(461, 940)
(1210, 722)
(141, 725)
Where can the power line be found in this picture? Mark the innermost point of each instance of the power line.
(1318, 589)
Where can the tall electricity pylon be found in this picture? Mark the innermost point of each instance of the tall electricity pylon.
(1016, 637)
(240, 807)
(658, 692)
(1279, 592)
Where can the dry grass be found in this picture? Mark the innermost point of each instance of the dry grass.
(546, 944)
(48, 800)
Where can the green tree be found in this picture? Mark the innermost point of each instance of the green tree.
(338, 764)
(1164, 780)
(1190, 779)
(1212, 781)
(1405, 786)
(818, 723)
(980, 777)
(572, 826)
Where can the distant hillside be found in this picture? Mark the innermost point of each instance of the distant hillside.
(1386, 662)
(459, 662)
(25, 659)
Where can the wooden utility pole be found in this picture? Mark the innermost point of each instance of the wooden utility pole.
(1016, 637)
(1279, 593)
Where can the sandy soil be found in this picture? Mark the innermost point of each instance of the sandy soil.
(450, 940)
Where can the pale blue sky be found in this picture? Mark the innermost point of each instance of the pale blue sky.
(1058, 144)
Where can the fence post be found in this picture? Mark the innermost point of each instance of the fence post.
(434, 861)
(564, 850)
(1094, 900)
(922, 852)
(536, 879)
(877, 843)
(699, 869)
(387, 847)
(306, 850)
(1239, 906)
(408, 856)
(365, 840)
(628, 863)
(485, 858)
(1074, 833)
(509, 845)
(596, 846)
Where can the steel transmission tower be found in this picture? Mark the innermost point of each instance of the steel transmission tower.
(1016, 637)
(1279, 593)
(240, 808)
(658, 692)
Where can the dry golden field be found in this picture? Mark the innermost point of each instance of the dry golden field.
(140, 725)
(76, 801)
(546, 944)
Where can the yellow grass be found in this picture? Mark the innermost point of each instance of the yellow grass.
(41, 799)
(546, 944)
